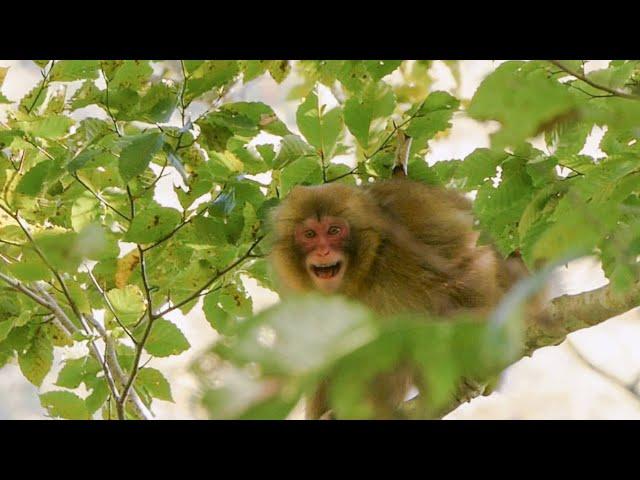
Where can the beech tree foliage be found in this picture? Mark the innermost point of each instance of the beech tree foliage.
(89, 256)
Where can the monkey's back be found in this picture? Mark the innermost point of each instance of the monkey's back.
(443, 270)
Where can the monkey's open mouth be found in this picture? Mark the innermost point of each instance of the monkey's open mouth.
(326, 271)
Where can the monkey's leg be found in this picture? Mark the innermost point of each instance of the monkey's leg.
(389, 391)
(317, 407)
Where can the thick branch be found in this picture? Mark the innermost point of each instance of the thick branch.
(564, 315)
(112, 370)
(568, 313)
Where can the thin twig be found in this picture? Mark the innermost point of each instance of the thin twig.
(10, 243)
(109, 305)
(99, 198)
(211, 280)
(629, 387)
(21, 287)
(109, 112)
(175, 230)
(43, 257)
(147, 291)
(586, 80)
(43, 84)
(69, 327)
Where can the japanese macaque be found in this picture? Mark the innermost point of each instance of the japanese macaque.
(396, 246)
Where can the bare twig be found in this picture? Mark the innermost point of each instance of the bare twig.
(628, 387)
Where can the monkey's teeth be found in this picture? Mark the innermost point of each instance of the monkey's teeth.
(326, 265)
(327, 270)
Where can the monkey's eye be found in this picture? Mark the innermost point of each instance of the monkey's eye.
(333, 230)
(309, 234)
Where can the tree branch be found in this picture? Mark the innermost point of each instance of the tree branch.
(219, 274)
(568, 313)
(564, 315)
(593, 84)
(109, 305)
(111, 367)
(99, 198)
(628, 387)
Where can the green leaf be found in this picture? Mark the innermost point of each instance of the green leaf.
(381, 68)
(128, 74)
(376, 101)
(154, 383)
(614, 76)
(5, 328)
(87, 94)
(7, 137)
(99, 394)
(222, 309)
(292, 147)
(304, 171)
(321, 129)
(64, 405)
(253, 68)
(135, 157)
(58, 248)
(128, 303)
(341, 172)
(279, 70)
(54, 126)
(302, 335)
(158, 104)
(33, 181)
(84, 211)
(69, 70)
(75, 371)
(33, 99)
(94, 243)
(499, 209)
(433, 116)
(260, 114)
(523, 98)
(30, 268)
(238, 392)
(152, 224)
(36, 360)
(209, 74)
(209, 230)
(165, 339)
(478, 167)
(568, 138)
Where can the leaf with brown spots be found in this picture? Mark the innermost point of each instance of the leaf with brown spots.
(125, 267)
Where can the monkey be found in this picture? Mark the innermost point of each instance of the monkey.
(395, 246)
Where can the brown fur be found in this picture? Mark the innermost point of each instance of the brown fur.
(412, 249)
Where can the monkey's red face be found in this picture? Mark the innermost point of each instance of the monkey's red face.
(323, 242)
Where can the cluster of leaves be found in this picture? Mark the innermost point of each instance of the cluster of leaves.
(273, 359)
(82, 229)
